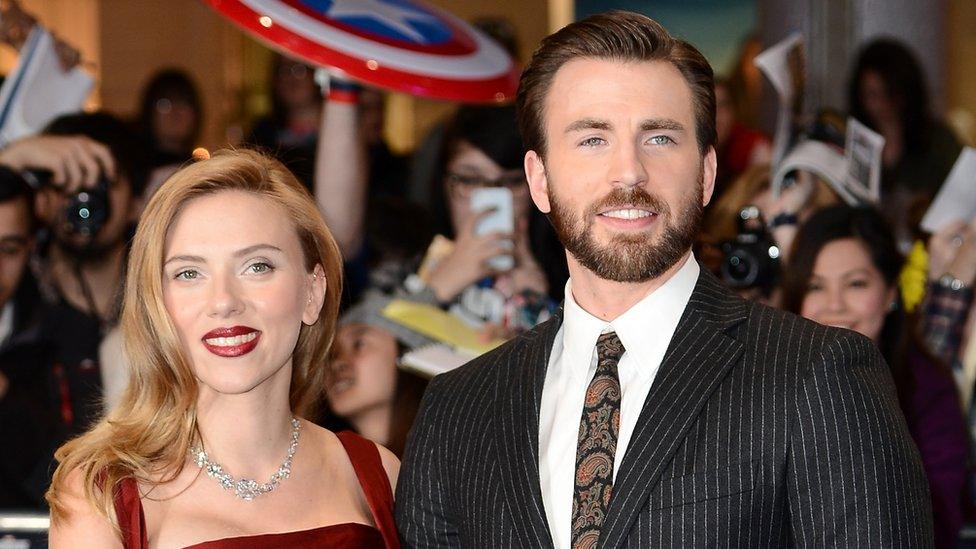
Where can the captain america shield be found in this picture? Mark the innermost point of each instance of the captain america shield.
(401, 45)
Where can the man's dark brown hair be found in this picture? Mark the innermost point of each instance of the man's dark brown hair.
(616, 36)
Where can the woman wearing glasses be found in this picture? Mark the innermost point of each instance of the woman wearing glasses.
(464, 270)
(482, 149)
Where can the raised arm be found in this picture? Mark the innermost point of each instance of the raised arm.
(949, 291)
(341, 171)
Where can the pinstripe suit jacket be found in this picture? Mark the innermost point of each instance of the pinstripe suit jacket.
(761, 430)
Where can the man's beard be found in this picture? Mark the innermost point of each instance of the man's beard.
(628, 257)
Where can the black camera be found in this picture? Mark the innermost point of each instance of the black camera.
(752, 259)
(87, 210)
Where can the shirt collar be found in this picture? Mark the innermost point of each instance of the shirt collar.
(657, 313)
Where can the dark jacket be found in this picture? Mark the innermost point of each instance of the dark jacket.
(27, 412)
(761, 430)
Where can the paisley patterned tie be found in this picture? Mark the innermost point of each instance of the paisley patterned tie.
(597, 444)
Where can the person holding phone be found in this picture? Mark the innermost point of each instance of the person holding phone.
(489, 271)
(481, 265)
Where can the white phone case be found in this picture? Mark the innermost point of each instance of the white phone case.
(502, 219)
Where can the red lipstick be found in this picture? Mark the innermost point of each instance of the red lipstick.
(231, 342)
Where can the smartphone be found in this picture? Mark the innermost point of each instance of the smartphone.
(501, 219)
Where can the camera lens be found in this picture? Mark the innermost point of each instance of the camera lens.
(87, 211)
(740, 268)
(752, 258)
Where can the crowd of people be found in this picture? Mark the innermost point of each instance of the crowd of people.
(406, 228)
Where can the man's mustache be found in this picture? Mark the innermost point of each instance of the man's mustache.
(635, 197)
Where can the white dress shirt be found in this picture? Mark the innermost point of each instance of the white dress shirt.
(645, 331)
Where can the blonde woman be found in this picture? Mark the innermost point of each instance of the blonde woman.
(230, 308)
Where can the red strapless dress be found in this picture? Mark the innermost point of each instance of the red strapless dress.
(365, 460)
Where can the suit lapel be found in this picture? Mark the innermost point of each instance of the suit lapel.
(520, 396)
(698, 358)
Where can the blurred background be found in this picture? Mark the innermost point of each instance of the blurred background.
(398, 179)
(127, 41)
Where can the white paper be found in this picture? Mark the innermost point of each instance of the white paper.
(956, 200)
(39, 90)
(863, 156)
(821, 160)
(434, 359)
(774, 62)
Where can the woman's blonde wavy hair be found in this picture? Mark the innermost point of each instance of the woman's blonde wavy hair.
(147, 436)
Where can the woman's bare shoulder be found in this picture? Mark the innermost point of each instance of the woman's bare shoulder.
(391, 464)
(80, 524)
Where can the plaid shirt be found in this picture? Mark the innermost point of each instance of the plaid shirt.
(944, 315)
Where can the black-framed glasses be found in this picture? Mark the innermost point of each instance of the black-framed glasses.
(464, 184)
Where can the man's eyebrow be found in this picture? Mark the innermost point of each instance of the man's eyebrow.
(651, 124)
(645, 125)
(589, 124)
(239, 253)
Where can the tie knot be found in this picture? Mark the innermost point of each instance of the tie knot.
(609, 348)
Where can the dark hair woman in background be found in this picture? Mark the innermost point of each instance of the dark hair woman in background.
(482, 149)
(366, 388)
(844, 272)
(887, 92)
(290, 131)
(170, 117)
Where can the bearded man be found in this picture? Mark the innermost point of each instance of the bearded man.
(656, 409)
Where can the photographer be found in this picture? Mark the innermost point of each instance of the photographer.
(91, 172)
(482, 150)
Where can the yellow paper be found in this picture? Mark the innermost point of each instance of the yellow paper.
(435, 323)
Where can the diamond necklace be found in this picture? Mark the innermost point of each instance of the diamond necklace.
(244, 488)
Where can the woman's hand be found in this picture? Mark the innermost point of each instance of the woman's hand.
(952, 250)
(469, 261)
(791, 200)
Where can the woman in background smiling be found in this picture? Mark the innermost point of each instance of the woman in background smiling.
(843, 272)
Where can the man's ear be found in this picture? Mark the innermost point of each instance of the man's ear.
(535, 174)
(709, 169)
